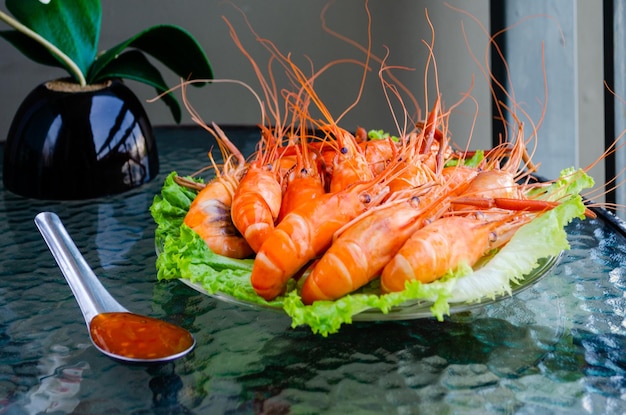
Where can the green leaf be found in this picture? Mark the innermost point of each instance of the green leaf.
(171, 45)
(72, 26)
(31, 48)
(380, 135)
(134, 65)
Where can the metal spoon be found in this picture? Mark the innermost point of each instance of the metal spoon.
(144, 336)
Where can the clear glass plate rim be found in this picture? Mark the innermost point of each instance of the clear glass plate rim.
(416, 310)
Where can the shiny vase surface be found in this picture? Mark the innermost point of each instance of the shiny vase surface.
(67, 142)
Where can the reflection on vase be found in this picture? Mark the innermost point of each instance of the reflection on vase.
(78, 145)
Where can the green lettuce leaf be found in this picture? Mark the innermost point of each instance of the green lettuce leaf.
(543, 237)
(570, 182)
(184, 255)
(473, 161)
(381, 135)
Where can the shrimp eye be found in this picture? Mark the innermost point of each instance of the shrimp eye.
(366, 198)
(344, 150)
(269, 167)
(493, 236)
(303, 171)
(415, 201)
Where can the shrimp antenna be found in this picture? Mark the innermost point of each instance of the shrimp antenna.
(507, 90)
(183, 83)
(367, 51)
(387, 87)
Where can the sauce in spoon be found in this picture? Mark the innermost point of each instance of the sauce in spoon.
(138, 337)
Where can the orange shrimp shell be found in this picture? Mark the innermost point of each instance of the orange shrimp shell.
(436, 249)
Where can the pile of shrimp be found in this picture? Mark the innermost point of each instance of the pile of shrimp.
(336, 209)
(339, 210)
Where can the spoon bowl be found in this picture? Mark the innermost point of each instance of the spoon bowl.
(113, 329)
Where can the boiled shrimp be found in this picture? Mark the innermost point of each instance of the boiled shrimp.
(256, 202)
(303, 184)
(359, 253)
(378, 153)
(429, 145)
(349, 164)
(305, 180)
(415, 173)
(306, 232)
(422, 166)
(440, 247)
(342, 153)
(209, 214)
(496, 186)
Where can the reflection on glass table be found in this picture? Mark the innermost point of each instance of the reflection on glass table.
(556, 347)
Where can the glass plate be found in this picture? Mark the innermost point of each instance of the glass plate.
(414, 310)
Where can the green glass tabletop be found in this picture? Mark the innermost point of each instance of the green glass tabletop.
(556, 347)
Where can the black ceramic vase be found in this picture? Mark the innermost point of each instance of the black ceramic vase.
(68, 142)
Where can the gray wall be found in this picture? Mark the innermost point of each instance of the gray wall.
(295, 27)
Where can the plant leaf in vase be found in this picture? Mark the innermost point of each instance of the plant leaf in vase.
(65, 33)
(71, 26)
(171, 45)
(134, 65)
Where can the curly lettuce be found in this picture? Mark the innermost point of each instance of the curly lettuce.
(184, 255)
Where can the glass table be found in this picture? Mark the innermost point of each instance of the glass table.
(557, 347)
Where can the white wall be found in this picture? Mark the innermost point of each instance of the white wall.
(294, 26)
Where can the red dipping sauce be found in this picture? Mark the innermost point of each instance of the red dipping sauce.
(138, 337)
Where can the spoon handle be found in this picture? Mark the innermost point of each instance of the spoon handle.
(90, 294)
